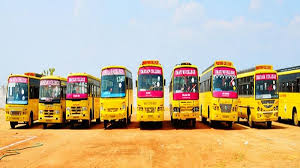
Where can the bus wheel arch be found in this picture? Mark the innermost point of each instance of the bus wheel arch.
(30, 121)
(295, 117)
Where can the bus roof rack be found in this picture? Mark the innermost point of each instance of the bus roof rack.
(208, 68)
(185, 63)
(246, 70)
(288, 69)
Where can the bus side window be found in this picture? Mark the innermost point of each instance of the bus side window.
(298, 85)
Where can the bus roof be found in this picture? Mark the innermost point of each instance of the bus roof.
(184, 65)
(289, 70)
(54, 78)
(115, 66)
(27, 75)
(83, 74)
(255, 70)
(219, 63)
(153, 63)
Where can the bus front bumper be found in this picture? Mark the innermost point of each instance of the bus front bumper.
(77, 117)
(184, 115)
(111, 116)
(52, 120)
(21, 118)
(266, 116)
(225, 117)
(150, 117)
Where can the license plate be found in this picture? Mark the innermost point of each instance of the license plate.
(14, 118)
(113, 116)
(48, 120)
(225, 116)
(76, 117)
(150, 116)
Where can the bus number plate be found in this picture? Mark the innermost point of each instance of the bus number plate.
(225, 116)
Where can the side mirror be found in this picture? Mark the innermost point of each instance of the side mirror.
(136, 83)
(164, 82)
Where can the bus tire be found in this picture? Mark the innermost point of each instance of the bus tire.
(238, 120)
(194, 123)
(105, 124)
(98, 121)
(13, 125)
(30, 122)
(229, 124)
(45, 126)
(204, 120)
(269, 124)
(295, 117)
(249, 119)
(160, 124)
(72, 123)
(211, 123)
(142, 125)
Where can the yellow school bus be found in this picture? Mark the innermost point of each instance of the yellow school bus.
(116, 95)
(52, 100)
(83, 99)
(150, 92)
(22, 99)
(184, 94)
(218, 93)
(289, 94)
(258, 95)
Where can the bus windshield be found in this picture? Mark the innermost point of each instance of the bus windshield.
(224, 83)
(150, 82)
(266, 86)
(185, 84)
(77, 87)
(113, 83)
(50, 91)
(17, 90)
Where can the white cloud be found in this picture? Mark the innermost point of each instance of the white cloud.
(77, 7)
(187, 12)
(161, 3)
(255, 4)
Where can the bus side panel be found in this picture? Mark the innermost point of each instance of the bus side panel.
(33, 106)
(96, 108)
(205, 99)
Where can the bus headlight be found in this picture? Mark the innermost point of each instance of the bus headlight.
(84, 108)
(258, 109)
(195, 109)
(101, 108)
(160, 108)
(176, 109)
(68, 109)
(41, 111)
(123, 107)
(57, 111)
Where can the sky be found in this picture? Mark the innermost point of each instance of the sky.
(86, 35)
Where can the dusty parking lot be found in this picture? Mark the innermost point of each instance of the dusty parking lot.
(166, 147)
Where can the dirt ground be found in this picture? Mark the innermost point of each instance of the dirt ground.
(240, 146)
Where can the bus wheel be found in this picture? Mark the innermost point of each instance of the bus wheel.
(142, 124)
(30, 122)
(45, 126)
(295, 118)
(87, 123)
(98, 121)
(250, 122)
(105, 124)
(204, 120)
(238, 120)
(211, 123)
(72, 124)
(13, 125)
(160, 124)
(194, 123)
(229, 124)
(269, 124)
